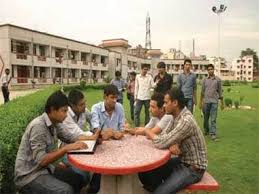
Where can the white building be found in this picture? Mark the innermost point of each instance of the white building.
(243, 68)
(40, 58)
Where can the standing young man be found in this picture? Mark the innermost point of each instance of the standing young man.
(120, 84)
(143, 85)
(35, 172)
(130, 93)
(211, 93)
(187, 83)
(5, 83)
(189, 168)
(163, 80)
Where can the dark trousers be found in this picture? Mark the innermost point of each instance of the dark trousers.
(95, 183)
(63, 181)
(131, 101)
(137, 111)
(5, 92)
(169, 178)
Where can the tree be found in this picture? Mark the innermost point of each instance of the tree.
(249, 51)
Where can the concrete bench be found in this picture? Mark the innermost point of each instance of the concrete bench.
(207, 184)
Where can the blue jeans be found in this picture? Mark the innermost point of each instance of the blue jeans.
(137, 111)
(84, 174)
(169, 178)
(63, 181)
(210, 112)
(189, 104)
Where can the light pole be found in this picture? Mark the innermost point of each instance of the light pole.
(218, 11)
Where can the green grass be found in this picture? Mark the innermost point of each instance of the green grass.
(234, 160)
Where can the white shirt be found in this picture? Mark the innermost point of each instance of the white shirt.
(5, 79)
(143, 86)
(75, 125)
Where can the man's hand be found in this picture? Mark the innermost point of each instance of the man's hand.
(149, 134)
(174, 149)
(75, 146)
(140, 131)
(222, 106)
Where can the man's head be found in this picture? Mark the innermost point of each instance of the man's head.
(56, 107)
(118, 74)
(7, 71)
(156, 105)
(210, 69)
(111, 93)
(76, 101)
(174, 100)
(161, 67)
(187, 65)
(132, 75)
(144, 69)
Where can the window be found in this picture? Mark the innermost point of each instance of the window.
(238, 67)
(249, 67)
(249, 72)
(237, 73)
(103, 59)
(249, 60)
(42, 51)
(34, 49)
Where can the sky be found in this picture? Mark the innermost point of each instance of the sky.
(172, 21)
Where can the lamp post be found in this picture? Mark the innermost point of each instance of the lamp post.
(218, 11)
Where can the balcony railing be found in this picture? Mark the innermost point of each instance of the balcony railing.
(41, 58)
(21, 56)
(58, 60)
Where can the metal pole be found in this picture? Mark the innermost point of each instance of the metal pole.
(219, 61)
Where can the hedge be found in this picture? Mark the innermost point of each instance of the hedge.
(15, 116)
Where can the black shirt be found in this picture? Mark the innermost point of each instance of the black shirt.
(164, 83)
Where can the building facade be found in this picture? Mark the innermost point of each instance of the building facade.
(40, 58)
(243, 68)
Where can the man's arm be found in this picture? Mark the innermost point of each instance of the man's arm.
(121, 118)
(55, 155)
(95, 120)
(136, 88)
(220, 94)
(194, 90)
(181, 131)
(179, 82)
(202, 93)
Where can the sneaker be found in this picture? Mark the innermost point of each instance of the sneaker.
(214, 138)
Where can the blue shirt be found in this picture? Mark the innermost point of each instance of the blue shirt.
(120, 84)
(101, 119)
(187, 83)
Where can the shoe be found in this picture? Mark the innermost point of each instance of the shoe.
(214, 138)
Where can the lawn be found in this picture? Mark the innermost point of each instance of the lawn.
(233, 160)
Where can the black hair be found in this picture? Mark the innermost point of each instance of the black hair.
(210, 65)
(74, 97)
(133, 73)
(159, 98)
(117, 73)
(161, 65)
(187, 61)
(176, 94)
(144, 65)
(56, 100)
(111, 90)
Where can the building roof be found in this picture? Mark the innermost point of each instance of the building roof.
(48, 34)
(120, 42)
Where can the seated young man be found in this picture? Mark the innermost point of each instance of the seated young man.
(107, 116)
(77, 117)
(187, 169)
(34, 168)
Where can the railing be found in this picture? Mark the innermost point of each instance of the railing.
(41, 58)
(21, 56)
(73, 61)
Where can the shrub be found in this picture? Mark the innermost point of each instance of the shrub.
(228, 102)
(236, 103)
(229, 89)
(15, 116)
(82, 84)
(256, 85)
(226, 83)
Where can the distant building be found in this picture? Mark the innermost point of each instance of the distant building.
(243, 68)
(42, 58)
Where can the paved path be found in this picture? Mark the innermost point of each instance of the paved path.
(17, 93)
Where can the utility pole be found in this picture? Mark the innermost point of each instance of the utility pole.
(148, 34)
(218, 10)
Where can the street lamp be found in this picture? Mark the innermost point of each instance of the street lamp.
(218, 11)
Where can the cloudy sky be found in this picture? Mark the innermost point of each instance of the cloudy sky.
(171, 21)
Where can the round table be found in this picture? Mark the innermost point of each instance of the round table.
(119, 161)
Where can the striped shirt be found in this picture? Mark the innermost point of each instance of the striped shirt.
(185, 131)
